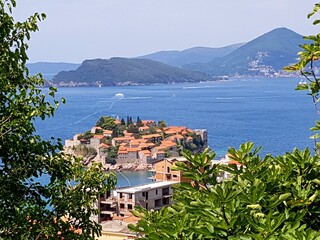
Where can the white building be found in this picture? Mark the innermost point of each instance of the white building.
(124, 200)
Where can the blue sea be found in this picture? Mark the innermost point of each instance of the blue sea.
(267, 111)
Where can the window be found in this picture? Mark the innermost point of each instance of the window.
(158, 203)
(145, 194)
(156, 191)
(174, 176)
(108, 194)
(168, 169)
(165, 191)
(129, 206)
(165, 201)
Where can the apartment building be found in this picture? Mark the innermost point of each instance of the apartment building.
(150, 196)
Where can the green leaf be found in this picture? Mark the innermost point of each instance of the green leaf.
(302, 87)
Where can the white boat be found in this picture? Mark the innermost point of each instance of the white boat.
(119, 95)
(303, 82)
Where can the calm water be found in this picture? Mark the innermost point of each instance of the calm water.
(268, 112)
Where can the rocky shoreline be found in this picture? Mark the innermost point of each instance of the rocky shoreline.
(128, 167)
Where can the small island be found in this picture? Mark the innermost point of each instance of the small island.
(134, 145)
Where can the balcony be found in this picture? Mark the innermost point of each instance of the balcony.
(108, 200)
(108, 211)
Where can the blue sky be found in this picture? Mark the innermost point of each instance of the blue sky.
(76, 30)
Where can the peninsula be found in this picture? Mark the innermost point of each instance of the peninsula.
(134, 145)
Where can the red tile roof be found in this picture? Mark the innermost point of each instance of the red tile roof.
(133, 149)
(123, 138)
(147, 121)
(168, 143)
(146, 152)
(143, 128)
(107, 132)
(162, 147)
(234, 162)
(156, 135)
(98, 136)
(127, 134)
(160, 152)
(103, 145)
(169, 132)
(122, 152)
(122, 148)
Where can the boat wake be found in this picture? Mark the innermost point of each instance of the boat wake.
(229, 98)
(202, 87)
(134, 98)
(95, 113)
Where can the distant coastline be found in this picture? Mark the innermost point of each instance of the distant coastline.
(124, 84)
(128, 83)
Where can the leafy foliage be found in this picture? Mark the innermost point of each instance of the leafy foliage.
(162, 124)
(308, 66)
(106, 122)
(44, 193)
(269, 198)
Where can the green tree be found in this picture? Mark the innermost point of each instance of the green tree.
(139, 122)
(308, 66)
(162, 124)
(123, 122)
(269, 198)
(44, 193)
(274, 197)
(106, 122)
(86, 135)
(112, 155)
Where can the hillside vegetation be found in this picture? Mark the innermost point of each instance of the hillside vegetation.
(124, 71)
(191, 55)
(266, 54)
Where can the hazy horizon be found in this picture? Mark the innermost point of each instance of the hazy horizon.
(79, 30)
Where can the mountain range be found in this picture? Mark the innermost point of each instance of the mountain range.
(265, 55)
(191, 55)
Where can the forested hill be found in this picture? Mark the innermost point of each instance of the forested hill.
(264, 55)
(124, 71)
(191, 55)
